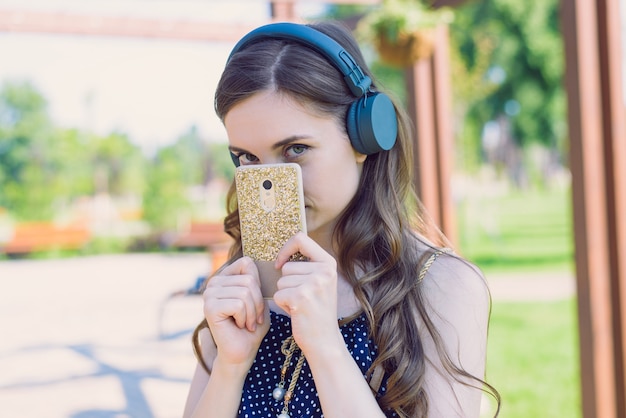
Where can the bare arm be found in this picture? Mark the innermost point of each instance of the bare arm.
(238, 319)
(200, 377)
(341, 387)
(217, 394)
(458, 303)
(308, 292)
(457, 300)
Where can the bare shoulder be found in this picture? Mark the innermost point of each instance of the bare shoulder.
(452, 281)
(457, 300)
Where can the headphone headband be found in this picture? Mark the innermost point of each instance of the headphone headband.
(371, 120)
(354, 77)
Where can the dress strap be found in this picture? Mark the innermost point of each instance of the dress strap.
(428, 263)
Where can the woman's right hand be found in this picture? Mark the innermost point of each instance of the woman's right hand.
(236, 312)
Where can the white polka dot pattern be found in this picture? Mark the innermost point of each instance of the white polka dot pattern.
(257, 400)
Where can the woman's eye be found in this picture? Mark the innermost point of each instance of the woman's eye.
(295, 151)
(247, 158)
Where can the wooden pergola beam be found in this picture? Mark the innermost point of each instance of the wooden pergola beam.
(58, 22)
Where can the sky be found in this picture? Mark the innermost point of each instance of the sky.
(153, 90)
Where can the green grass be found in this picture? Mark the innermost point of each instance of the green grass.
(520, 231)
(533, 359)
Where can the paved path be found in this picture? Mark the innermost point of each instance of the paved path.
(93, 337)
(531, 286)
(80, 338)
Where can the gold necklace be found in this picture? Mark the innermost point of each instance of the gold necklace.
(288, 348)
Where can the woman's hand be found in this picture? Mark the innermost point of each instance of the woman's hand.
(307, 291)
(236, 312)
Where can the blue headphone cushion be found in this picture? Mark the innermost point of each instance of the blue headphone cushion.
(371, 124)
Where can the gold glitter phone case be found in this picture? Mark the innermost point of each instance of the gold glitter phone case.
(271, 210)
(271, 207)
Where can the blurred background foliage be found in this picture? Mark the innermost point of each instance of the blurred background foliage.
(47, 171)
(510, 133)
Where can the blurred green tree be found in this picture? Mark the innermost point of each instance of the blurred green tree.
(43, 167)
(117, 164)
(221, 164)
(171, 173)
(511, 56)
(75, 166)
(28, 180)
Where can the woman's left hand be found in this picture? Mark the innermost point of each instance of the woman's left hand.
(307, 291)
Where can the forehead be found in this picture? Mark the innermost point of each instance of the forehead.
(272, 115)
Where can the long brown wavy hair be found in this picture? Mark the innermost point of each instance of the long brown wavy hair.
(380, 231)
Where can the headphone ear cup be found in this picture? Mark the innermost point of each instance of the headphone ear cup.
(372, 123)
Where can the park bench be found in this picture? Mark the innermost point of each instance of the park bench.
(45, 236)
(209, 236)
(202, 235)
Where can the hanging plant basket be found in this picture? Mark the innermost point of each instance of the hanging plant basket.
(407, 48)
(403, 31)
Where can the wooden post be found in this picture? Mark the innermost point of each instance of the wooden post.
(597, 159)
(442, 94)
(614, 125)
(429, 97)
(283, 10)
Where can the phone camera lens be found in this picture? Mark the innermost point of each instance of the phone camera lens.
(267, 184)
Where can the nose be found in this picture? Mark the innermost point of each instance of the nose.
(271, 160)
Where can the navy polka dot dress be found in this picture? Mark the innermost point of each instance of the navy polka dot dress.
(264, 376)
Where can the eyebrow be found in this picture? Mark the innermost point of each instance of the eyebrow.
(279, 144)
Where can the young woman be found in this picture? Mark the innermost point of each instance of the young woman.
(380, 321)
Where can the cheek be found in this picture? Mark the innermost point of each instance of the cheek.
(331, 176)
(334, 184)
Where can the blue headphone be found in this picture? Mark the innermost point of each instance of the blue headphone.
(371, 121)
